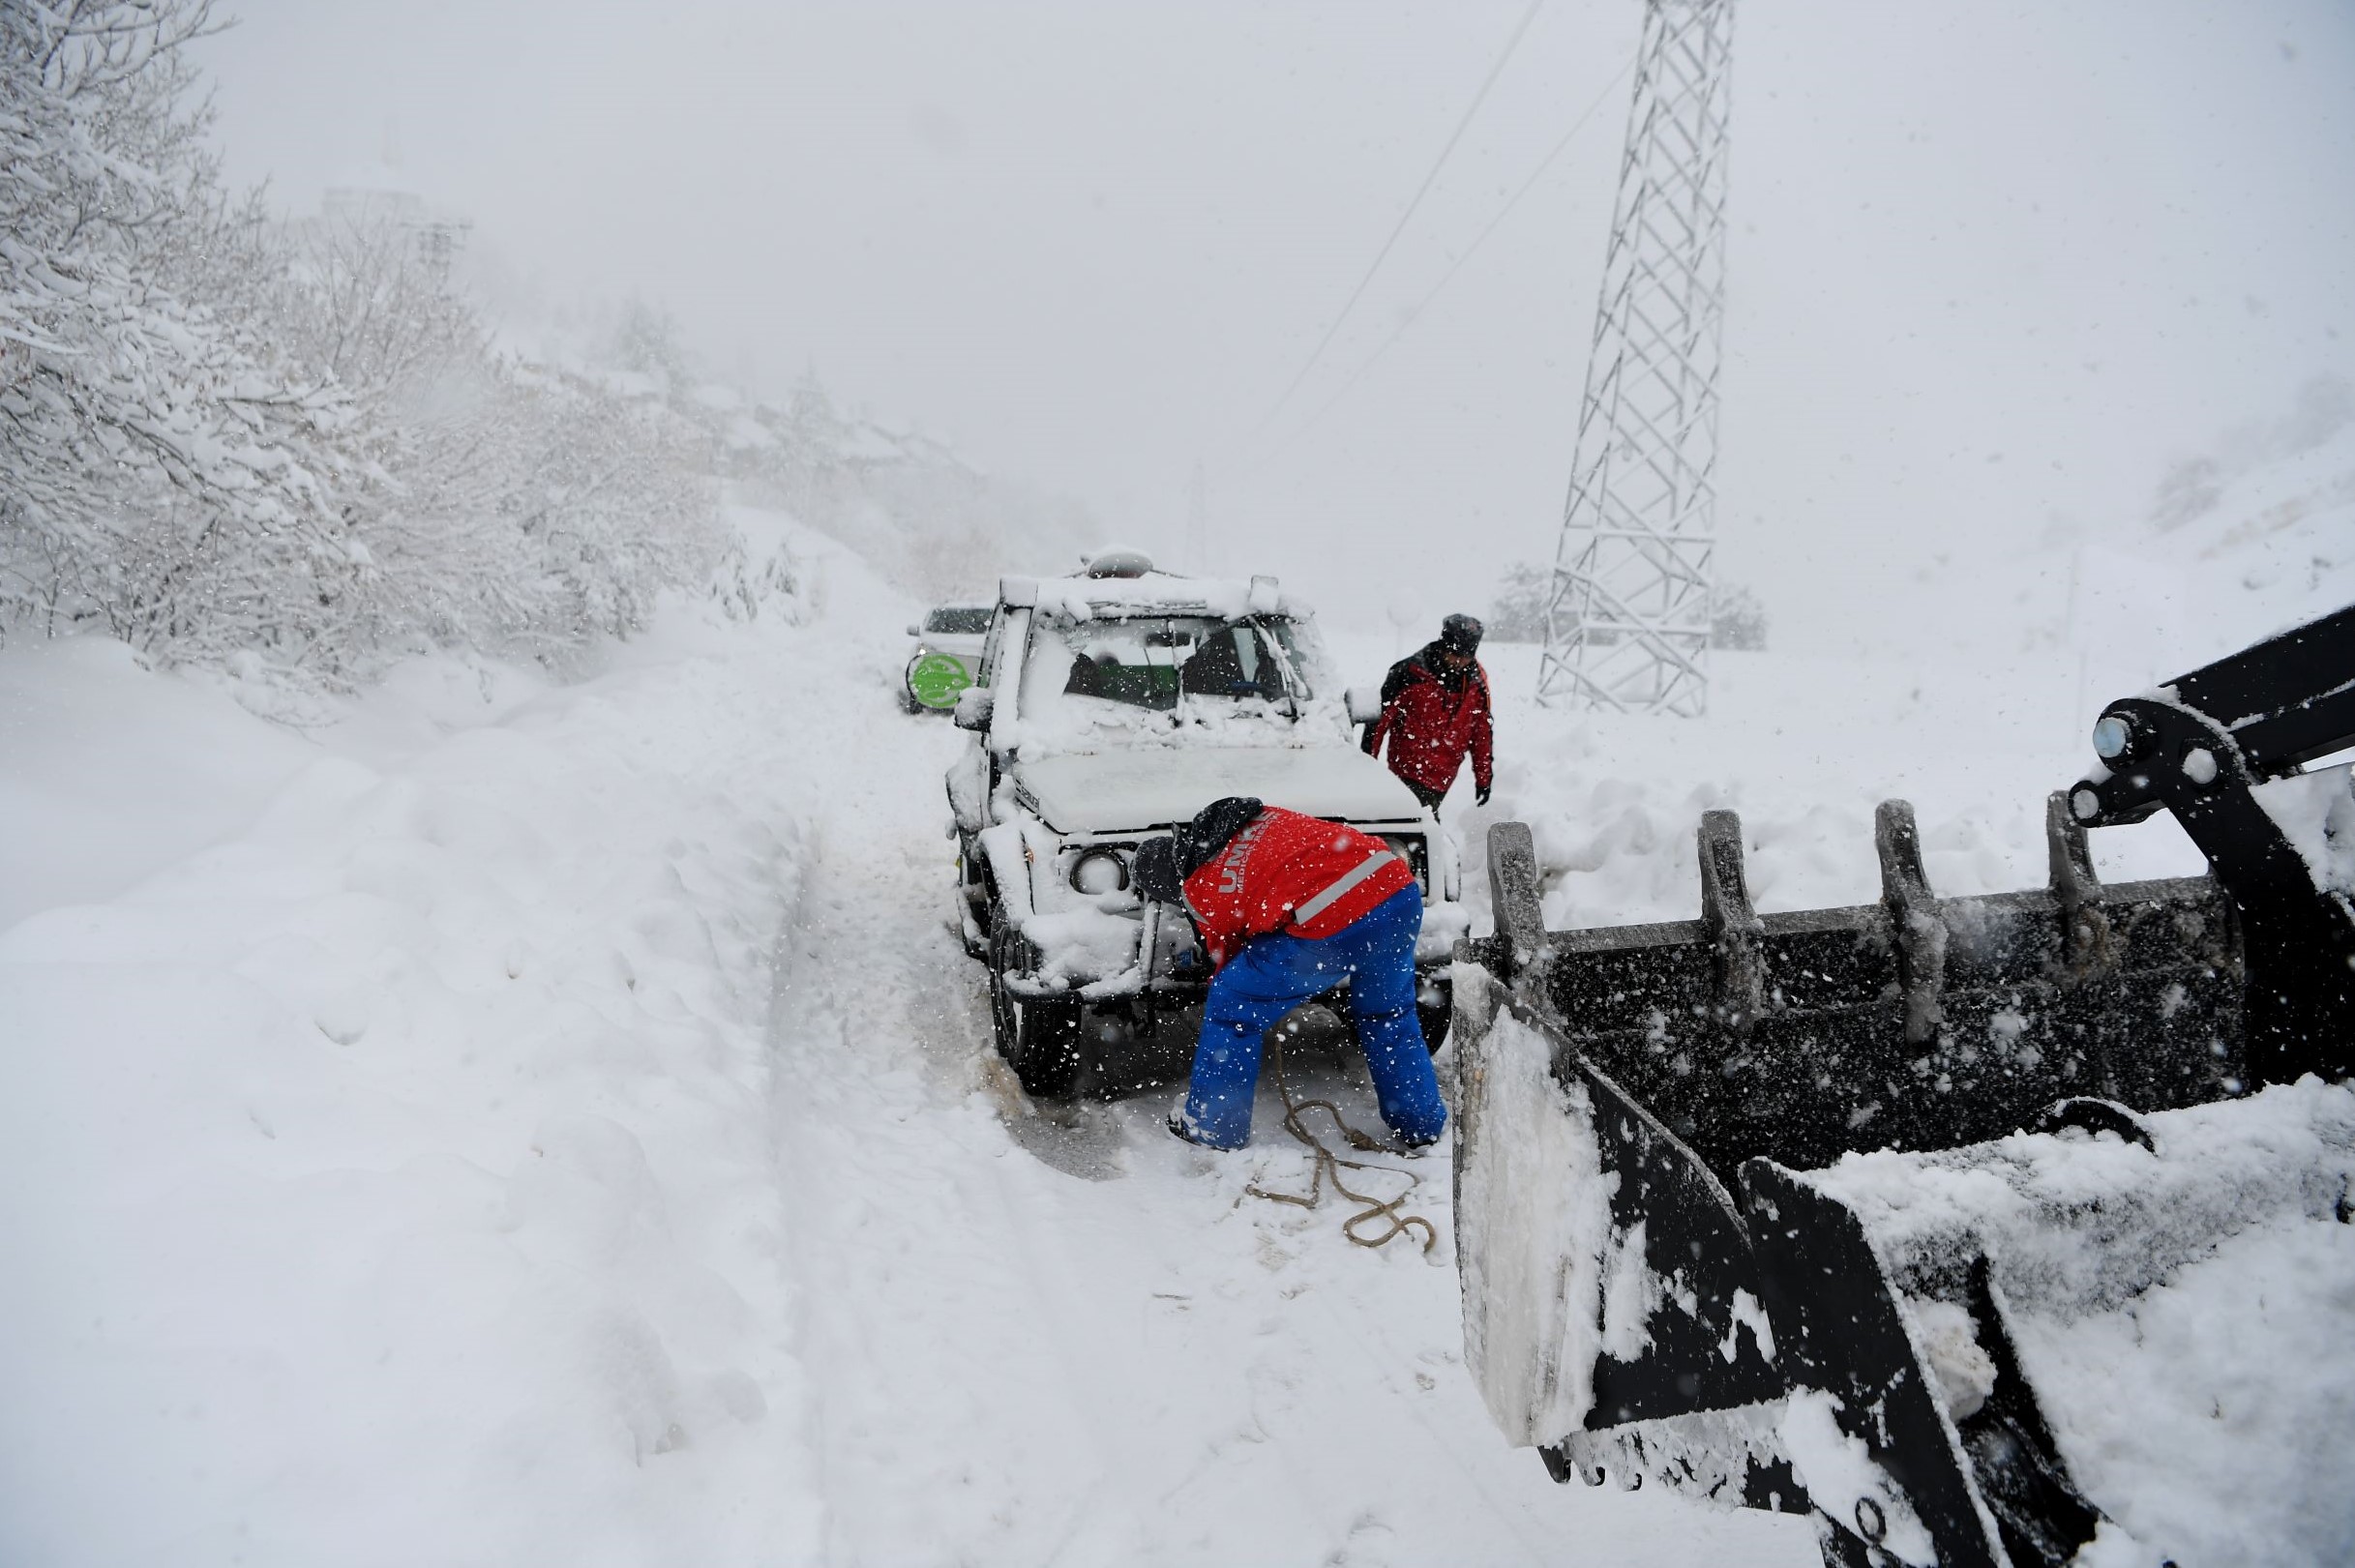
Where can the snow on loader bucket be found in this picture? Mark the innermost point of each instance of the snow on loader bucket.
(1895, 1216)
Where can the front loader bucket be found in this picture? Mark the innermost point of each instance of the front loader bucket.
(1828, 1212)
(1981, 1229)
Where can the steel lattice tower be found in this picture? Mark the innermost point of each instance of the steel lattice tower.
(1627, 618)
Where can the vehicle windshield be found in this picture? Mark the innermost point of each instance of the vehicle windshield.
(1156, 662)
(958, 621)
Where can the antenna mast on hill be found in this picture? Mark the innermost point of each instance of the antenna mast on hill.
(1627, 623)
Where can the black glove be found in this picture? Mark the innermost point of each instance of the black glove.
(1479, 797)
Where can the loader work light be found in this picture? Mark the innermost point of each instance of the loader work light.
(2111, 738)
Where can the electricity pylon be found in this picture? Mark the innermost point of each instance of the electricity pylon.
(1627, 623)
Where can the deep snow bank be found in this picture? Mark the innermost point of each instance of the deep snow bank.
(391, 1182)
(108, 773)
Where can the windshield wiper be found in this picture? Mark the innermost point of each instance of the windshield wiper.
(1293, 684)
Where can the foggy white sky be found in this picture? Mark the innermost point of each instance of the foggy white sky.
(1992, 265)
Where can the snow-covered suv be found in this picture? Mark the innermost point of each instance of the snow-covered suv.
(1115, 705)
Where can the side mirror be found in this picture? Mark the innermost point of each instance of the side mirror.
(915, 629)
(974, 705)
(1364, 704)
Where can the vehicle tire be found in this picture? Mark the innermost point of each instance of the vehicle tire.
(1434, 1017)
(973, 912)
(1039, 1036)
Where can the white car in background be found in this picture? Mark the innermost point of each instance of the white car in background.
(1113, 706)
(947, 654)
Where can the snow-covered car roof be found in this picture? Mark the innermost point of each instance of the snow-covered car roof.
(978, 612)
(1082, 598)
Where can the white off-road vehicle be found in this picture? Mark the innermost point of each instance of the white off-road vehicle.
(1111, 706)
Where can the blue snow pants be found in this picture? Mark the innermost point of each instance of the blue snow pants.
(1274, 974)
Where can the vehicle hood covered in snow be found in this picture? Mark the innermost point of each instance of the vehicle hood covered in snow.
(1156, 787)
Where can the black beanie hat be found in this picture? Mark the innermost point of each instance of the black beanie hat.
(1199, 840)
(1164, 864)
(1460, 633)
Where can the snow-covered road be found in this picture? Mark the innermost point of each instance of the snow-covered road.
(1070, 1338)
(556, 1124)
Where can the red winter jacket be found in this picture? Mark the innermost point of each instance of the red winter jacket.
(1430, 728)
(1289, 873)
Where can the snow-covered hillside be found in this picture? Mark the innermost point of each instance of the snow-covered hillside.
(2254, 535)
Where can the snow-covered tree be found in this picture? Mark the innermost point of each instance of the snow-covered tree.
(1517, 612)
(222, 434)
(161, 474)
(505, 506)
(1736, 619)
(647, 342)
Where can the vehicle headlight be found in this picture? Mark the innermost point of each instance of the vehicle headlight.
(1099, 871)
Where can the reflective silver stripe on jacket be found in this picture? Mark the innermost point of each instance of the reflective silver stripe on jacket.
(1323, 900)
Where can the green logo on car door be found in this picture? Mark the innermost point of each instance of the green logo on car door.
(936, 679)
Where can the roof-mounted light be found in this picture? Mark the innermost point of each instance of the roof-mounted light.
(1118, 563)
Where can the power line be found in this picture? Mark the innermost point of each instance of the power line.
(1406, 323)
(1510, 45)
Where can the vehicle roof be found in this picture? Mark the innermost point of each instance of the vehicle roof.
(1084, 598)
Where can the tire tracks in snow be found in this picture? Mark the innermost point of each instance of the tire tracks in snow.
(914, 1298)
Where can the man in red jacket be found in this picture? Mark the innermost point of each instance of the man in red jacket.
(1289, 907)
(1434, 710)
